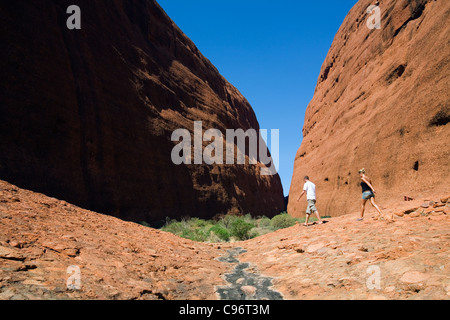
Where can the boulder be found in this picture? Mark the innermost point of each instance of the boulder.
(249, 290)
(414, 277)
(11, 254)
(415, 214)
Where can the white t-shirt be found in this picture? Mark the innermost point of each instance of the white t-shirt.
(310, 189)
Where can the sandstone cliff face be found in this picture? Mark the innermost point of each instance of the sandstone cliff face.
(87, 115)
(381, 103)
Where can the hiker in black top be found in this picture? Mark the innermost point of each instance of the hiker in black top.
(365, 187)
(368, 193)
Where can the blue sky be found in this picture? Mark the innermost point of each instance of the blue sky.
(271, 51)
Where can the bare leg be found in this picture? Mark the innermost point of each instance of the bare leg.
(307, 220)
(318, 217)
(363, 207)
(372, 201)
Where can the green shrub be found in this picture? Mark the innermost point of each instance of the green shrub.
(264, 223)
(175, 227)
(198, 223)
(220, 232)
(227, 221)
(197, 235)
(282, 221)
(254, 233)
(240, 229)
(187, 234)
(213, 238)
(248, 218)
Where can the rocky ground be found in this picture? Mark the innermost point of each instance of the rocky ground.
(42, 237)
(373, 259)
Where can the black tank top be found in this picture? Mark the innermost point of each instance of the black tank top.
(365, 187)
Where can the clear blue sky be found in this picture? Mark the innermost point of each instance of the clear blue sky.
(271, 51)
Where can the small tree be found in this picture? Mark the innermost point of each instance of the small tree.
(241, 229)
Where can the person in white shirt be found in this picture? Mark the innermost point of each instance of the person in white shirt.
(310, 189)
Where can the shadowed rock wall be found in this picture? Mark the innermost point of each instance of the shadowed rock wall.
(87, 115)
